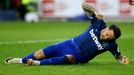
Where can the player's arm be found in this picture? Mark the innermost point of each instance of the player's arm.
(89, 10)
(117, 54)
(123, 59)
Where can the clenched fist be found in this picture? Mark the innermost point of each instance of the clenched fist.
(124, 60)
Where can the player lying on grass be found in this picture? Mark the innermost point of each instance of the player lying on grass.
(98, 38)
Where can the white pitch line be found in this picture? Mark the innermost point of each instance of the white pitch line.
(30, 41)
(42, 41)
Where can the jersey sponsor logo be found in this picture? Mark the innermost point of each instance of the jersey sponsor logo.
(96, 40)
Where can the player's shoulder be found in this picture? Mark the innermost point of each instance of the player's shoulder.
(113, 44)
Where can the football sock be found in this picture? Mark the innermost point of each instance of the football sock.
(24, 60)
(54, 61)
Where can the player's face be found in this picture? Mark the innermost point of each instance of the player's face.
(107, 34)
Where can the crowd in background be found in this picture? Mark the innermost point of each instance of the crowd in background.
(20, 7)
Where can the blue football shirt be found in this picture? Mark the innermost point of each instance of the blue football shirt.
(89, 45)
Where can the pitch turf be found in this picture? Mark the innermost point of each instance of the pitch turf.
(18, 39)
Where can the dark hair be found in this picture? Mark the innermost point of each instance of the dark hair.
(116, 30)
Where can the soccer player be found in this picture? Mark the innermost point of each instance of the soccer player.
(98, 38)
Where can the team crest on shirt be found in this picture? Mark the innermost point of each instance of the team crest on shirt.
(95, 38)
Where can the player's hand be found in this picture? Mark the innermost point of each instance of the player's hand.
(124, 60)
(99, 15)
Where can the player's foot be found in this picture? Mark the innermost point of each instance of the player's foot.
(33, 62)
(11, 60)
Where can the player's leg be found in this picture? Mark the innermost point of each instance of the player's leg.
(39, 54)
(66, 59)
(12, 60)
(61, 53)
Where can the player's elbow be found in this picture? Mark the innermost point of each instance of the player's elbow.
(83, 5)
(87, 8)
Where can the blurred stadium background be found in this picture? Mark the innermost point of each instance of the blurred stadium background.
(114, 10)
(58, 20)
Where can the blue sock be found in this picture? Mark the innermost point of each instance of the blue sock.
(54, 61)
(24, 60)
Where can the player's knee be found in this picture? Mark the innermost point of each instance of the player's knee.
(39, 55)
(70, 58)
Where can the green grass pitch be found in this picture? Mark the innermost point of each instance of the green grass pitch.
(13, 32)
